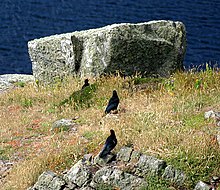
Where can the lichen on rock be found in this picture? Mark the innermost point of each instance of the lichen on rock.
(149, 48)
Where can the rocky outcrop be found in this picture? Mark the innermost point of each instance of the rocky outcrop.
(9, 81)
(150, 48)
(128, 171)
(49, 181)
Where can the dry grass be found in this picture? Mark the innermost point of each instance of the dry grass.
(164, 119)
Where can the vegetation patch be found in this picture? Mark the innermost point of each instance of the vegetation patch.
(165, 121)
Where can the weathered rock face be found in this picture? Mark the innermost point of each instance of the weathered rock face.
(49, 180)
(9, 81)
(117, 178)
(151, 48)
(79, 174)
(202, 186)
(175, 176)
(127, 172)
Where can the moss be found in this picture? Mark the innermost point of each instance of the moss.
(80, 98)
(194, 121)
(155, 182)
(20, 84)
(197, 166)
(140, 80)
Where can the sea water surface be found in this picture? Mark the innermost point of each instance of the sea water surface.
(24, 20)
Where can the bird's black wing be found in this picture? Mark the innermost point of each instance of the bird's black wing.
(112, 104)
(85, 85)
(109, 145)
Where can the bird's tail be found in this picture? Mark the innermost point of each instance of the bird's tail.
(103, 153)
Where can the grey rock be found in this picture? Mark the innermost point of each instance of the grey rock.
(218, 136)
(135, 156)
(88, 175)
(209, 114)
(124, 154)
(87, 158)
(5, 167)
(117, 178)
(174, 175)
(127, 181)
(9, 81)
(79, 174)
(102, 176)
(70, 185)
(49, 181)
(217, 116)
(63, 125)
(150, 48)
(202, 186)
(149, 165)
(103, 161)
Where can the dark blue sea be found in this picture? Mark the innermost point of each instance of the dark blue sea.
(24, 20)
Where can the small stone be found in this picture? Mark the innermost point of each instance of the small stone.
(209, 114)
(9, 80)
(202, 186)
(87, 158)
(149, 165)
(135, 156)
(217, 116)
(79, 174)
(70, 185)
(102, 176)
(63, 125)
(117, 178)
(124, 154)
(127, 181)
(5, 167)
(174, 175)
(49, 180)
(103, 161)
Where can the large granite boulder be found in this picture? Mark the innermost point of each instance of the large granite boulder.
(150, 48)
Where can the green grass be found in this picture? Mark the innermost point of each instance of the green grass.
(155, 182)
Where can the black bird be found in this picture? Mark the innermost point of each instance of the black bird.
(110, 143)
(113, 102)
(86, 83)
